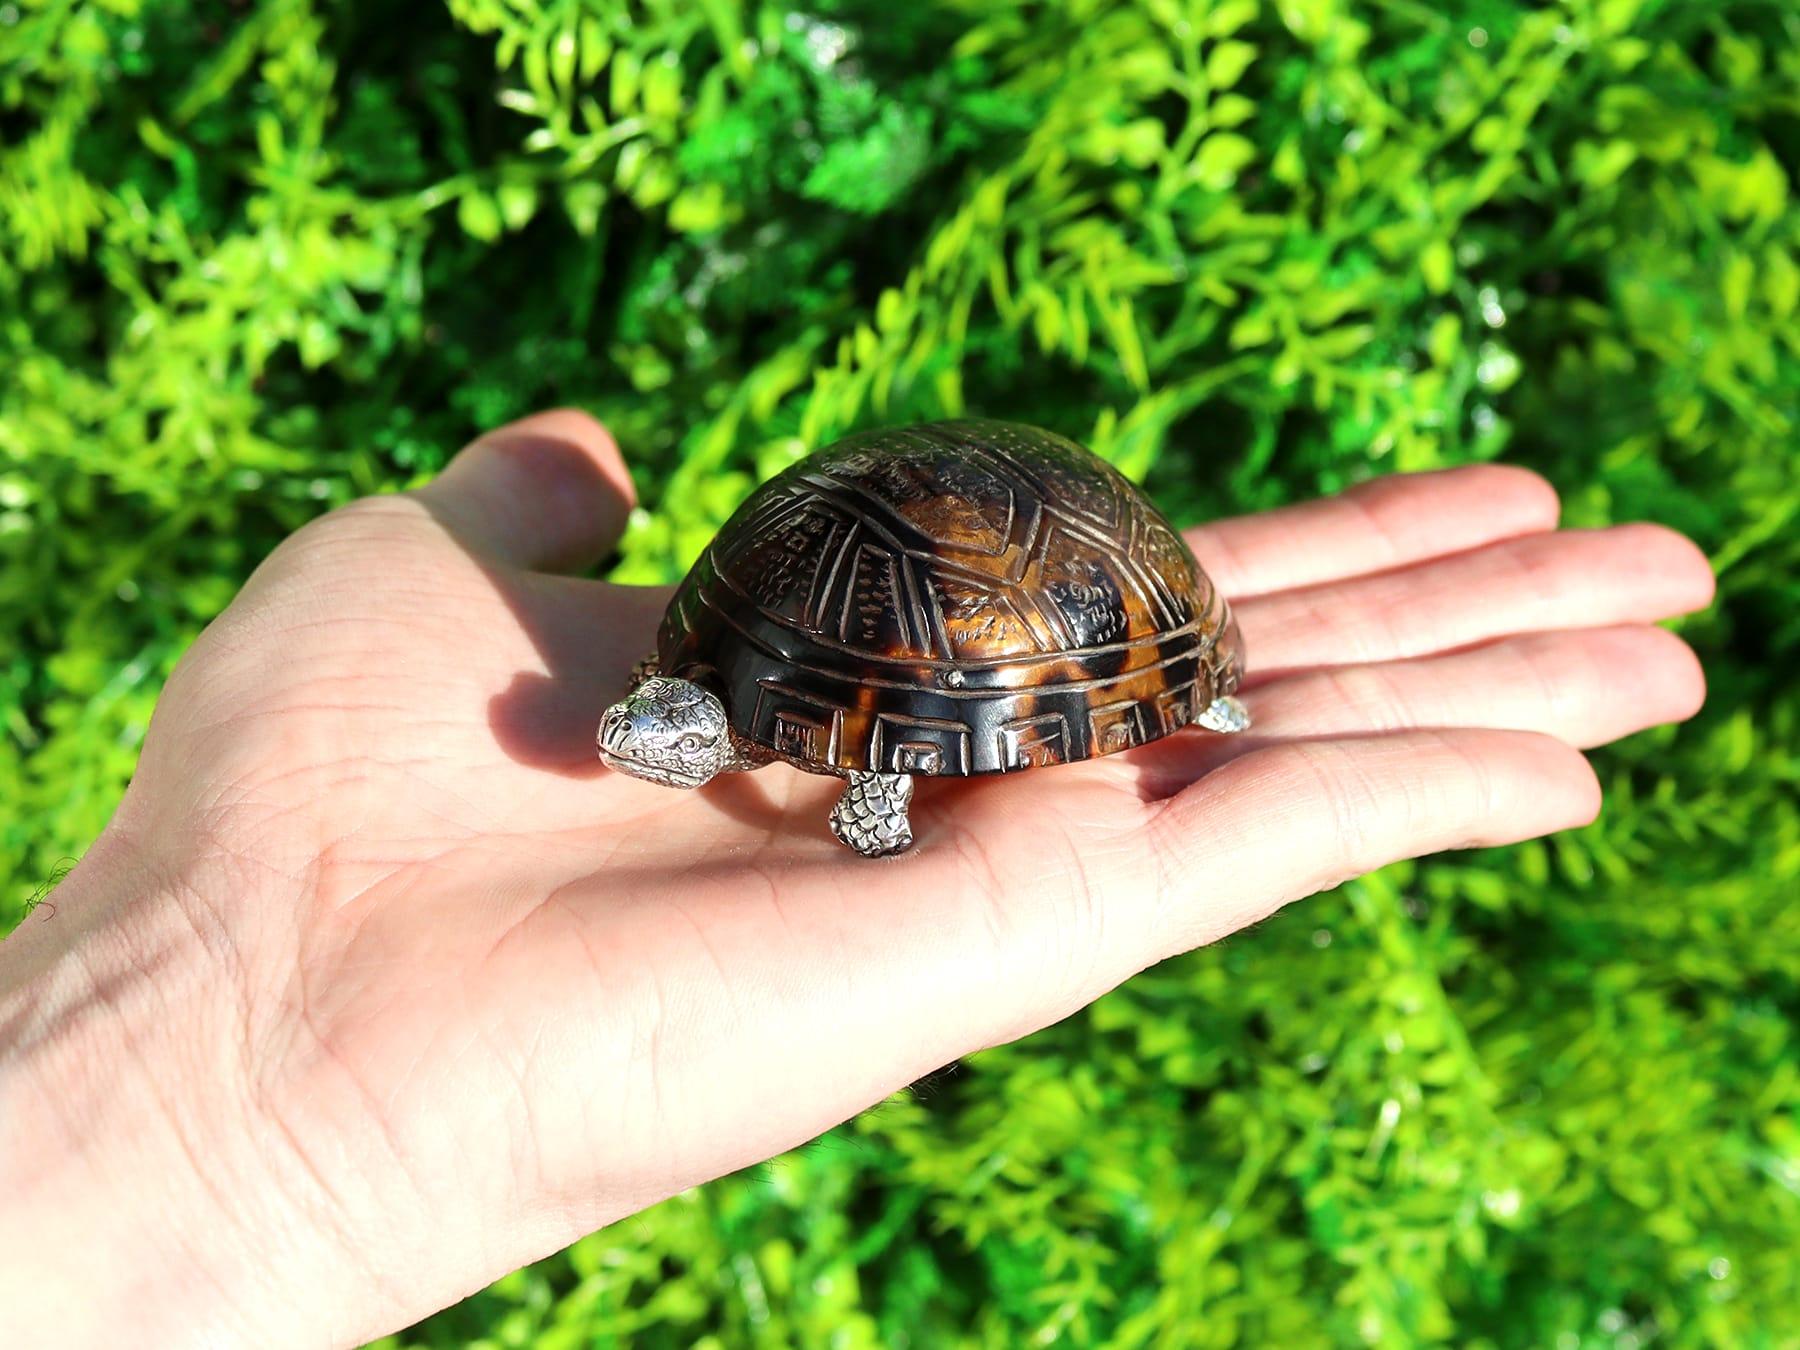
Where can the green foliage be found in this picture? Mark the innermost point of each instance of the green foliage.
(256, 259)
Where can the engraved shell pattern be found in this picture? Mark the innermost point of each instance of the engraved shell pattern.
(953, 598)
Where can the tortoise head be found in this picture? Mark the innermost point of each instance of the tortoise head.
(666, 731)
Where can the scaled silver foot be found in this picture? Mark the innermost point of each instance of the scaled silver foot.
(871, 815)
(1225, 714)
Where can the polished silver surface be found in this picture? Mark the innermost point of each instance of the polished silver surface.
(667, 731)
(1227, 714)
(871, 815)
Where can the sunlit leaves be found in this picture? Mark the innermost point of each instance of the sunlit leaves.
(1249, 250)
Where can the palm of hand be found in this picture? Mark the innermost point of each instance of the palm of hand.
(512, 995)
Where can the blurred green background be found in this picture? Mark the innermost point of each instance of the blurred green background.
(257, 258)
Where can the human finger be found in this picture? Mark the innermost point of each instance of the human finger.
(1384, 523)
(1297, 817)
(549, 492)
(1586, 686)
(1636, 573)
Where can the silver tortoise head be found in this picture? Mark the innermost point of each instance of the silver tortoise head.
(667, 731)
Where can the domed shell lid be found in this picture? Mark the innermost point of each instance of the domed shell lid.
(950, 599)
(955, 543)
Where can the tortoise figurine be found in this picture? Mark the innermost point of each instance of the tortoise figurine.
(941, 600)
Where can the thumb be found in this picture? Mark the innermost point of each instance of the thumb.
(549, 492)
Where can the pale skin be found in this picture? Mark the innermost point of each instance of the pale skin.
(378, 985)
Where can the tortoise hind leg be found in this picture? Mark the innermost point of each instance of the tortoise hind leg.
(1225, 713)
(871, 815)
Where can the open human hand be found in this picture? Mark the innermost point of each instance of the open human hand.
(380, 985)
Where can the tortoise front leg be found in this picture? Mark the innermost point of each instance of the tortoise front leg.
(1225, 713)
(871, 815)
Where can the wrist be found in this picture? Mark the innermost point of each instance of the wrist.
(138, 1195)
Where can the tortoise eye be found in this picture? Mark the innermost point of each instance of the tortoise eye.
(690, 742)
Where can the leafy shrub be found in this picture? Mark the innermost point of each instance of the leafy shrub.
(256, 259)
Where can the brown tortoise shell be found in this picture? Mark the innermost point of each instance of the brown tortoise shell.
(954, 598)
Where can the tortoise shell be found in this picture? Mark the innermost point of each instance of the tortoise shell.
(949, 599)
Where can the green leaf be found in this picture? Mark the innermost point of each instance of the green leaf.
(1220, 157)
(1227, 62)
(479, 215)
